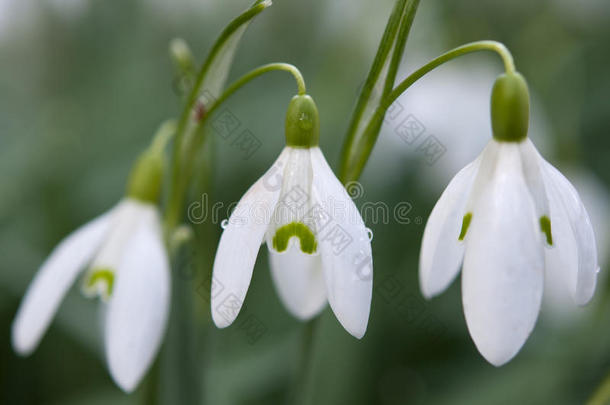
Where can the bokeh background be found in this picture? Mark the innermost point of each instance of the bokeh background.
(83, 86)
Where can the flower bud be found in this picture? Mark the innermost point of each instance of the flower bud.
(181, 55)
(302, 123)
(510, 108)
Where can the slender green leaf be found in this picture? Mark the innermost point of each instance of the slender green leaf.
(378, 85)
(185, 341)
(215, 70)
(208, 85)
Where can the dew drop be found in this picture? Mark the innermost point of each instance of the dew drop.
(224, 223)
(365, 272)
(305, 122)
(369, 232)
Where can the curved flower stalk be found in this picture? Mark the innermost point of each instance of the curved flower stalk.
(438, 107)
(318, 245)
(125, 262)
(512, 219)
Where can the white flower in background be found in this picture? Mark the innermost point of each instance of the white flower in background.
(128, 269)
(319, 248)
(513, 220)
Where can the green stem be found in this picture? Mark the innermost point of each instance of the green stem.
(254, 74)
(164, 134)
(370, 135)
(478, 46)
(172, 214)
(601, 396)
(304, 373)
(383, 71)
(150, 396)
(181, 182)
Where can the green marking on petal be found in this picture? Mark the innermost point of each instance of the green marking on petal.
(465, 225)
(545, 226)
(296, 229)
(105, 276)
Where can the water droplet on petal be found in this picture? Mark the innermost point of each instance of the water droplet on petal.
(369, 232)
(305, 121)
(224, 223)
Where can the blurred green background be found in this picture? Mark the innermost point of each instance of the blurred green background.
(84, 84)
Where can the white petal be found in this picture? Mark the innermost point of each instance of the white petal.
(240, 243)
(137, 312)
(110, 253)
(532, 162)
(299, 281)
(294, 200)
(53, 280)
(574, 254)
(487, 169)
(502, 276)
(345, 248)
(442, 252)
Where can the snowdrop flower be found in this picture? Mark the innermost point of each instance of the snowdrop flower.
(126, 266)
(319, 248)
(512, 219)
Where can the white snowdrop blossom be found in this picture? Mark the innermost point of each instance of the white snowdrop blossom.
(125, 263)
(508, 219)
(319, 248)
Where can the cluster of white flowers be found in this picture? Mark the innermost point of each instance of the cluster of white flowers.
(509, 220)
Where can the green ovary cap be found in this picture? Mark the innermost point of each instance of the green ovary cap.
(302, 123)
(510, 108)
(146, 178)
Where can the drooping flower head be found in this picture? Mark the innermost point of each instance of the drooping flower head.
(126, 265)
(509, 219)
(319, 249)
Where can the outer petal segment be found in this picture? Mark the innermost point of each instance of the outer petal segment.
(241, 241)
(53, 280)
(502, 278)
(137, 312)
(442, 252)
(575, 253)
(345, 249)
